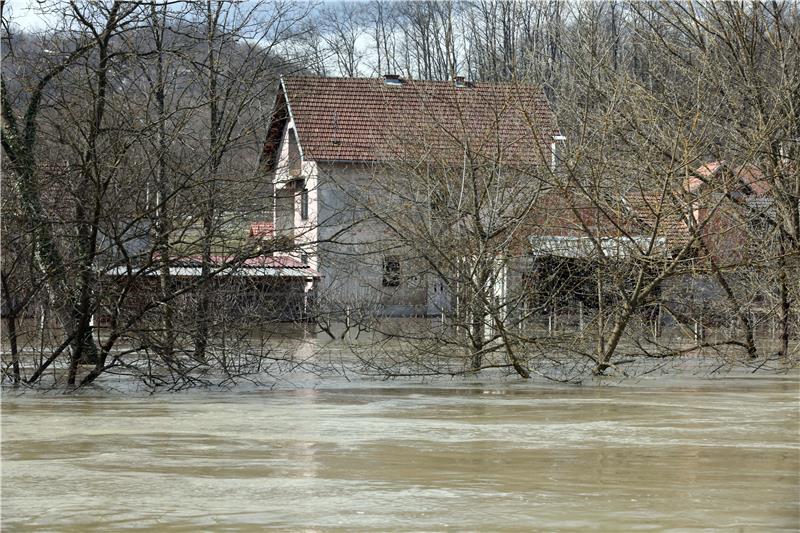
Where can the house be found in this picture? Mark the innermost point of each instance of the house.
(716, 211)
(252, 287)
(573, 242)
(340, 153)
(735, 204)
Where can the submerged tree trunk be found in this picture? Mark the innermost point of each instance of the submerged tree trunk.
(89, 207)
(601, 339)
(204, 297)
(204, 293)
(477, 333)
(11, 321)
(739, 310)
(479, 312)
(85, 349)
(604, 362)
(19, 147)
(163, 226)
(785, 304)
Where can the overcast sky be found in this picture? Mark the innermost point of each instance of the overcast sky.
(26, 14)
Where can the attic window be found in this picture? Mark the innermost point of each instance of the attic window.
(294, 154)
(393, 80)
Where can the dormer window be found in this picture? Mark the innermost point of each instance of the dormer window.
(392, 80)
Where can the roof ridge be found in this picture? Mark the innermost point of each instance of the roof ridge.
(483, 83)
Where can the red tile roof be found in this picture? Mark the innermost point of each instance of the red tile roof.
(656, 213)
(722, 174)
(264, 261)
(639, 216)
(364, 119)
(262, 230)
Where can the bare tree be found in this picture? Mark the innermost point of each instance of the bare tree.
(120, 137)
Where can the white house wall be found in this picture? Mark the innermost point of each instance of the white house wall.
(344, 243)
(287, 201)
(347, 245)
(354, 245)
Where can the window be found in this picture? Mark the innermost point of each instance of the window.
(295, 164)
(304, 204)
(554, 149)
(760, 225)
(391, 271)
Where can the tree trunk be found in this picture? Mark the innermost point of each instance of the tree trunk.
(740, 310)
(204, 297)
(601, 344)
(785, 302)
(477, 335)
(163, 225)
(48, 259)
(11, 321)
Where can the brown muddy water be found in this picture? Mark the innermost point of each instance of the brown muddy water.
(663, 454)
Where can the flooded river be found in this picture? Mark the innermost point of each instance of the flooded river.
(654, 455)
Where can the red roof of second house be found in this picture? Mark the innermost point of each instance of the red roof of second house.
(366, 119)
(722, 175)
(639, 217)
(271, 266)
(262, 230)
(261, 261)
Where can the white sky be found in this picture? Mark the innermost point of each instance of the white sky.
(27, 15)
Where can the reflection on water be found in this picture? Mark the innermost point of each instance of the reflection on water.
(657, 455)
